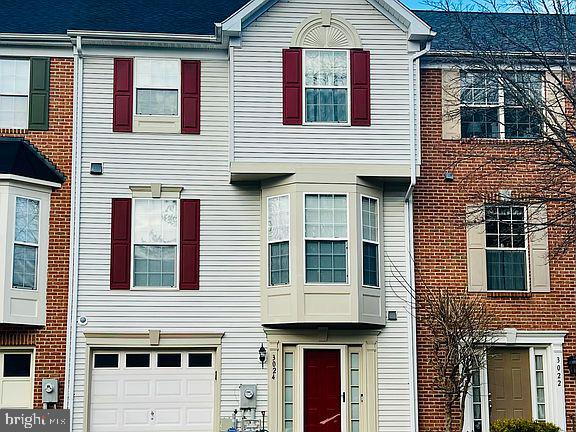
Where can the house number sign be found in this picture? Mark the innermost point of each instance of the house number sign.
(274, 366)
(559, 370)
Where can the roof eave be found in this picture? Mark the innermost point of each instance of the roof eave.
(48, 40)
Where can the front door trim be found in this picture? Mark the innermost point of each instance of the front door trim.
(343, 381)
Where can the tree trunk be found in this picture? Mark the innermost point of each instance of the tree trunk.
(448, 417)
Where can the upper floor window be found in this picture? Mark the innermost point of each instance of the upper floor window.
(370, 242)
(489, 108)
(26, 235)
(279, 239)
(155, 242)
(157, 86)
(14, 90)
(326, 238)
(506, 252)
(326, 86)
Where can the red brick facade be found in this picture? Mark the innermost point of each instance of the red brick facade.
(440, 252)
(56, 144)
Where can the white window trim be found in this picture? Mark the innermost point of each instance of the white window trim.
(500, 106)
(268, 242)
(36, 245)
(377, 242)
(526, 249)
(27, 96)
(548, 342)
(347, 239)
(134, 244)
(348, 88)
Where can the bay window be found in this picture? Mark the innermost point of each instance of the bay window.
(326, 86)
(370, 255)
(156, 223)
(14, 90)
(26, 235)
(326, 238)
(506, 252)
(279, 239)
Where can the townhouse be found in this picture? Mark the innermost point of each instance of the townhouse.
(36, 106)
(243, 191)
(491, 254)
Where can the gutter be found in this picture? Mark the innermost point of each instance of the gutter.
(409, 227)
(34, 39)
(72, 328)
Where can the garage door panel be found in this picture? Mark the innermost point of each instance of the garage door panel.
(159, 399)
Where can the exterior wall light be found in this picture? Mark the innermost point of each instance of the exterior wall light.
(572, 365)
(262, 355)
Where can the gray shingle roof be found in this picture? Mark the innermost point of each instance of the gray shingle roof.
(515, 32)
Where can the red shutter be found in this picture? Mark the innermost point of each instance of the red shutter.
(121, 244)
(189, 244)
(190, 96)
(360, 71)
(292, 81)
(123, 95)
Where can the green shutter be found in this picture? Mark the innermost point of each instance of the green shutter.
(39, 93)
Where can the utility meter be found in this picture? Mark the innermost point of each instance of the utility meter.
(49, 391)
(248, 396)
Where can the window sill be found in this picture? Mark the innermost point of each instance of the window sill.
(509, 294)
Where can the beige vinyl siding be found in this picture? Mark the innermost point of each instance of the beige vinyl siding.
(259, 132)
(393, 355)
(229, 297)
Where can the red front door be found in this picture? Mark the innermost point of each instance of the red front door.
(322, 391)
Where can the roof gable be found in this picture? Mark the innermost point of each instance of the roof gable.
(19, 157)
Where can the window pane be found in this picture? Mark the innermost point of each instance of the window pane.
(523, 89)
(14, 77)
(27, 220)
(479, 122)
(138, 360)
(369, 219)
(24, 267)
(13, 112)
(326, 68)
(326, 105)
(522, 123)
(169, 360)
(156, 102)
(279, 263)
(370, 263)
(105, 360)
(157, 73)
(199, 360)
(326, 216)
(505, 227)
(479, 88)
(278, 218)
(506, 270)
(154, 266)
(326, 261)
(155, 221)
(17, 365)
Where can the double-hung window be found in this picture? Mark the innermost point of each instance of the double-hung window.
(370, 256)
(326, 238)
(279, 240)
(156, 223)
(506, 253)
(326, 86)
(490, 107)
(26, 240)
(14, 90)
(157, 87)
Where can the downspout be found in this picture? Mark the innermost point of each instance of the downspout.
(74, 227)
(414, 90)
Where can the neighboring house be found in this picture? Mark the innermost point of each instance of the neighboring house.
(530, 298)
(36, 106)
(244, 194)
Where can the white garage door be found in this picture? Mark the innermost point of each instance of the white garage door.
(152, 391)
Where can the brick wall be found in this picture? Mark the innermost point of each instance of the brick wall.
(56, 144)
(440, 250)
